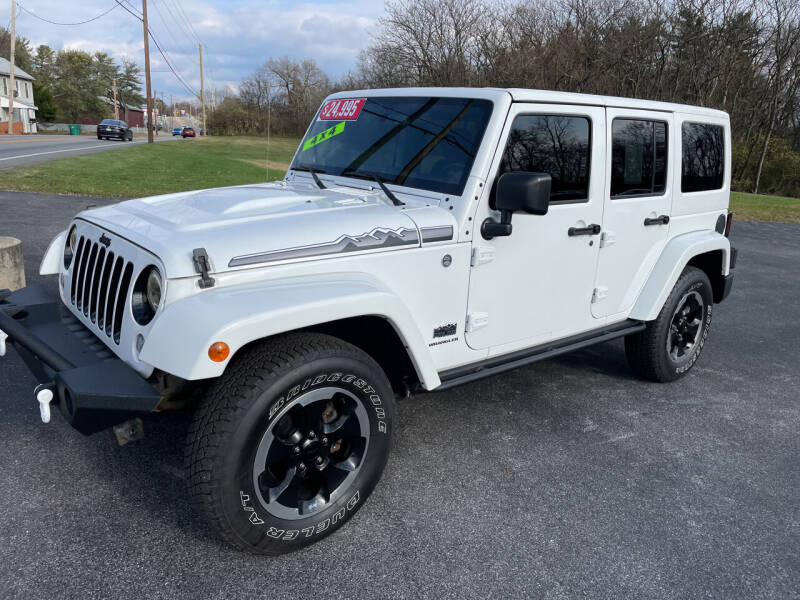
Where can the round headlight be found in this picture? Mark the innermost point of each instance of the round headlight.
(154, 289)
(69, 247)
(146, 295)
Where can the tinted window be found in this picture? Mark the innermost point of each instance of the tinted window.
(703, 157)
(638, 157)
(558, 145)
(420, 142)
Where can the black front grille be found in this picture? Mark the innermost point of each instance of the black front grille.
(100, 283)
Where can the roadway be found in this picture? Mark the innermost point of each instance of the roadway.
(23, 150)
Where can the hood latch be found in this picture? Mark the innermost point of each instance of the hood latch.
(202, 265)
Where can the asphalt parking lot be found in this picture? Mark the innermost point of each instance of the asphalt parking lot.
(566, 479)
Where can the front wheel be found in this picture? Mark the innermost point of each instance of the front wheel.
(289, 442)
(669, 346)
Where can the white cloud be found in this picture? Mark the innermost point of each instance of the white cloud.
(238, 35)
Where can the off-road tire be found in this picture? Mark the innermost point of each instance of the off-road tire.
(263, 387)
(647, 351)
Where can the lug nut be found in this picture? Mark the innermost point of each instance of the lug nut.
(324, 441)
(311, 435)
(301, 466)
(318, 460)
(296, 450)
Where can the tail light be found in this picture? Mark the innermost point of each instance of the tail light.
(728, 224)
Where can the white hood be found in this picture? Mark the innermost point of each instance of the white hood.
(254, 224)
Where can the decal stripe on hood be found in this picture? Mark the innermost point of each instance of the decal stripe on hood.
(379, 237)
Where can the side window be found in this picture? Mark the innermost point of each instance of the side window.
(638, 157)
(703, 157)
(555, 144)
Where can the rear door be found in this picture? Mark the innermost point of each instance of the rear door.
(637, 206)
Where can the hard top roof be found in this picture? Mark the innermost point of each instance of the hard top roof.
(538, 96)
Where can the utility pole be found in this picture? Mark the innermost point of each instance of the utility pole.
(202, 91)
(155, 110)
(11, 60)
(147, 73)
(116, 108)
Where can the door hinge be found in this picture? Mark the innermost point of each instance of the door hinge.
(482, 255)
(476, 320)
(600, 293)
(608, 238)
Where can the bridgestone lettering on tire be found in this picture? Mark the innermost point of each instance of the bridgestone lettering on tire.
(670, 346)
(289, 442)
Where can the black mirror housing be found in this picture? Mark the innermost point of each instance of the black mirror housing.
(524, 192)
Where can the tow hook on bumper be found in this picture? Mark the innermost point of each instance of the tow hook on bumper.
(44, 396)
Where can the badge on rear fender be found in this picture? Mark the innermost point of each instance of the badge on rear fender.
(345, 109)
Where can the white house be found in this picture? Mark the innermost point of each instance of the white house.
(24, 106)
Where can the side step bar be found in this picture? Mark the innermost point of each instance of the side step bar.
(506, 362)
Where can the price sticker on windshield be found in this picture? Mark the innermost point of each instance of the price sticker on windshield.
(346, 109)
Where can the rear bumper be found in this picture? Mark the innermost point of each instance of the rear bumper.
(93, 388)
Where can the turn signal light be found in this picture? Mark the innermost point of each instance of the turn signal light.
(218, 351)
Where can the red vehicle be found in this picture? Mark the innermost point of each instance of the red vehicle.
(188, 132)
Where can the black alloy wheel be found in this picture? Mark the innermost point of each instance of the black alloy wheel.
(686, 326)
(308, 458)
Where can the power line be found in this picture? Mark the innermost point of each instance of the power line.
(33, 14)
(128, 10)
(188, 22)
(167, 28)
(171, 68)
(161, 51)
(179, 21)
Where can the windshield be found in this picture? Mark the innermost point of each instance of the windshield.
(426, 143)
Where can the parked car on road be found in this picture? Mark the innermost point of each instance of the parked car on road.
(112, 128)
(177, 130)
(188, 132)
(421, 239)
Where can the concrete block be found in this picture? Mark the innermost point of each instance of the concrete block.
(12, 268)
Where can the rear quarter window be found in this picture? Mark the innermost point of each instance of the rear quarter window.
(703, 163)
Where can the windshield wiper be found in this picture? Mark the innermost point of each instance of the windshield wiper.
(389, 193)
(370, 177)
(317, 180)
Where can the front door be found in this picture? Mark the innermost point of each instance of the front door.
(636, 217)
(537, 283)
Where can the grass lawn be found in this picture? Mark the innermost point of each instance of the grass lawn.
(756, 207)
(160, 168)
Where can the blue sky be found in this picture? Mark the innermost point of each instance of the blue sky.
(238, 36)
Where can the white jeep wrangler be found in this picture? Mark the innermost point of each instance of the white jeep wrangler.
(421, 239)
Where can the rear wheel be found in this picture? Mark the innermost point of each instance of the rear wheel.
(669, 346)
(289, 442)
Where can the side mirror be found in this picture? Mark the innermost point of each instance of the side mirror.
(517, 191)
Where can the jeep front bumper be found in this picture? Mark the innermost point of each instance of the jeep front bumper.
(93, 388)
